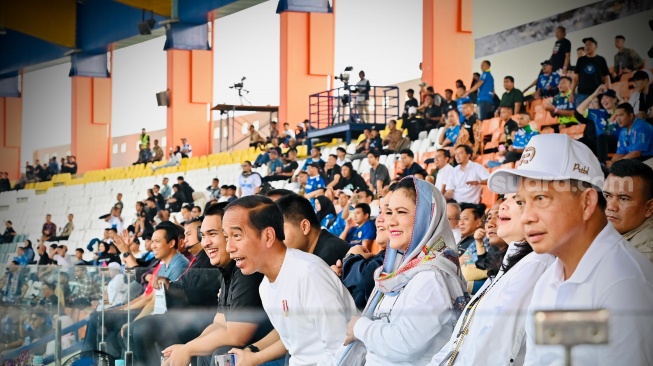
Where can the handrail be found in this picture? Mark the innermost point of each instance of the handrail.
(340, 105)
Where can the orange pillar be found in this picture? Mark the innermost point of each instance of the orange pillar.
(11, 123)
(191, 91)
(91, 123)
(307, 61)
(447, 25)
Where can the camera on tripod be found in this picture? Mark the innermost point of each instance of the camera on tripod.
(344, 77)
(238, 86)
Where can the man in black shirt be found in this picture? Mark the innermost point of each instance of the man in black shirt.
(448, 103)
(178, 198)
(350, 179)
(410, 166)
(332, 170)
(240, 320)
(160, 200)
(510, 126)
(561, 51)
(186, 188)
(376, 144)
(287, 171)
(411, 102)
(190, 302)
(302, 230)
(591, 71)
(70, 166)
(9, 233)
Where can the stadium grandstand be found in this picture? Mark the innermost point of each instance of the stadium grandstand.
(293, 231)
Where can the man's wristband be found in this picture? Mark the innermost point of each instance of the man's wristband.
(252, 348)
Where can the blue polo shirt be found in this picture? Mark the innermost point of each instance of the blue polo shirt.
(638, 138)
(175, 268)
(486, 91)
(314, 183)
(274, 164)
(603, 123)
(451, 133)
(339, 224)
(459, 106)
(548, 84)
(357, 234)
(523, 136)
(311, 160)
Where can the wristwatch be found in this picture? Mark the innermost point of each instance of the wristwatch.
(125, 254)
(252, 348)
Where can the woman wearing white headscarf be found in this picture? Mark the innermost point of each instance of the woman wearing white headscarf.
(419, 291)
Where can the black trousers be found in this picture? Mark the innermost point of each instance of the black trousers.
(154, 333)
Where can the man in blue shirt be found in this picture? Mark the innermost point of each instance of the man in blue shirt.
(635, 137)
(522, 138)
(21, 258)
(338, 226)
(461, 100)
(485, 87)
(562, 106)
(607, 129)
(275, 164)
(547, 82)
(452, 129)
(360, 230)
(315, 184)
(316, 157)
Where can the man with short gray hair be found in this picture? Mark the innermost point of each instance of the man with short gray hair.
(563, 212)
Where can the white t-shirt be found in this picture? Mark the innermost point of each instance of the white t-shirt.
(309, 306)
(62, 261)
(343, 161)
(442, 176)
(116, 222)
(117, 290)
(249, 184)
(289, 133)
(497, 334)
(463, 192)
(611, 275)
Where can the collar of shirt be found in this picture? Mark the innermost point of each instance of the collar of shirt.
(607, 238)
(647, 224)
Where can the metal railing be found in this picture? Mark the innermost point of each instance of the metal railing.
(346, 104)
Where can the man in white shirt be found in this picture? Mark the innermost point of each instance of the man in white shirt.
(559, 182)
(60, 257)
(445, 169)
(287, 133)
(305, 301)
(186, 149)
(341, 153)
(249, 182)
(464, 183)
(115, 221)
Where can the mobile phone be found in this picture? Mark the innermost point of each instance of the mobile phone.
(225, 360)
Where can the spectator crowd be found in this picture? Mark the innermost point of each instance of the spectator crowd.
(347, 267)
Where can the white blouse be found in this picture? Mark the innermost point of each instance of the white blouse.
(497, 332)
(410, 327)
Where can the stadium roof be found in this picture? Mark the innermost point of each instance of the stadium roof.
(35, 34)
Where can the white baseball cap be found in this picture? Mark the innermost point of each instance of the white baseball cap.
(550, 157)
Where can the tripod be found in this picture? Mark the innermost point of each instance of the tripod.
(242, 97)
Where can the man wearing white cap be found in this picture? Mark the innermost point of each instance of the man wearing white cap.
(564, 214)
